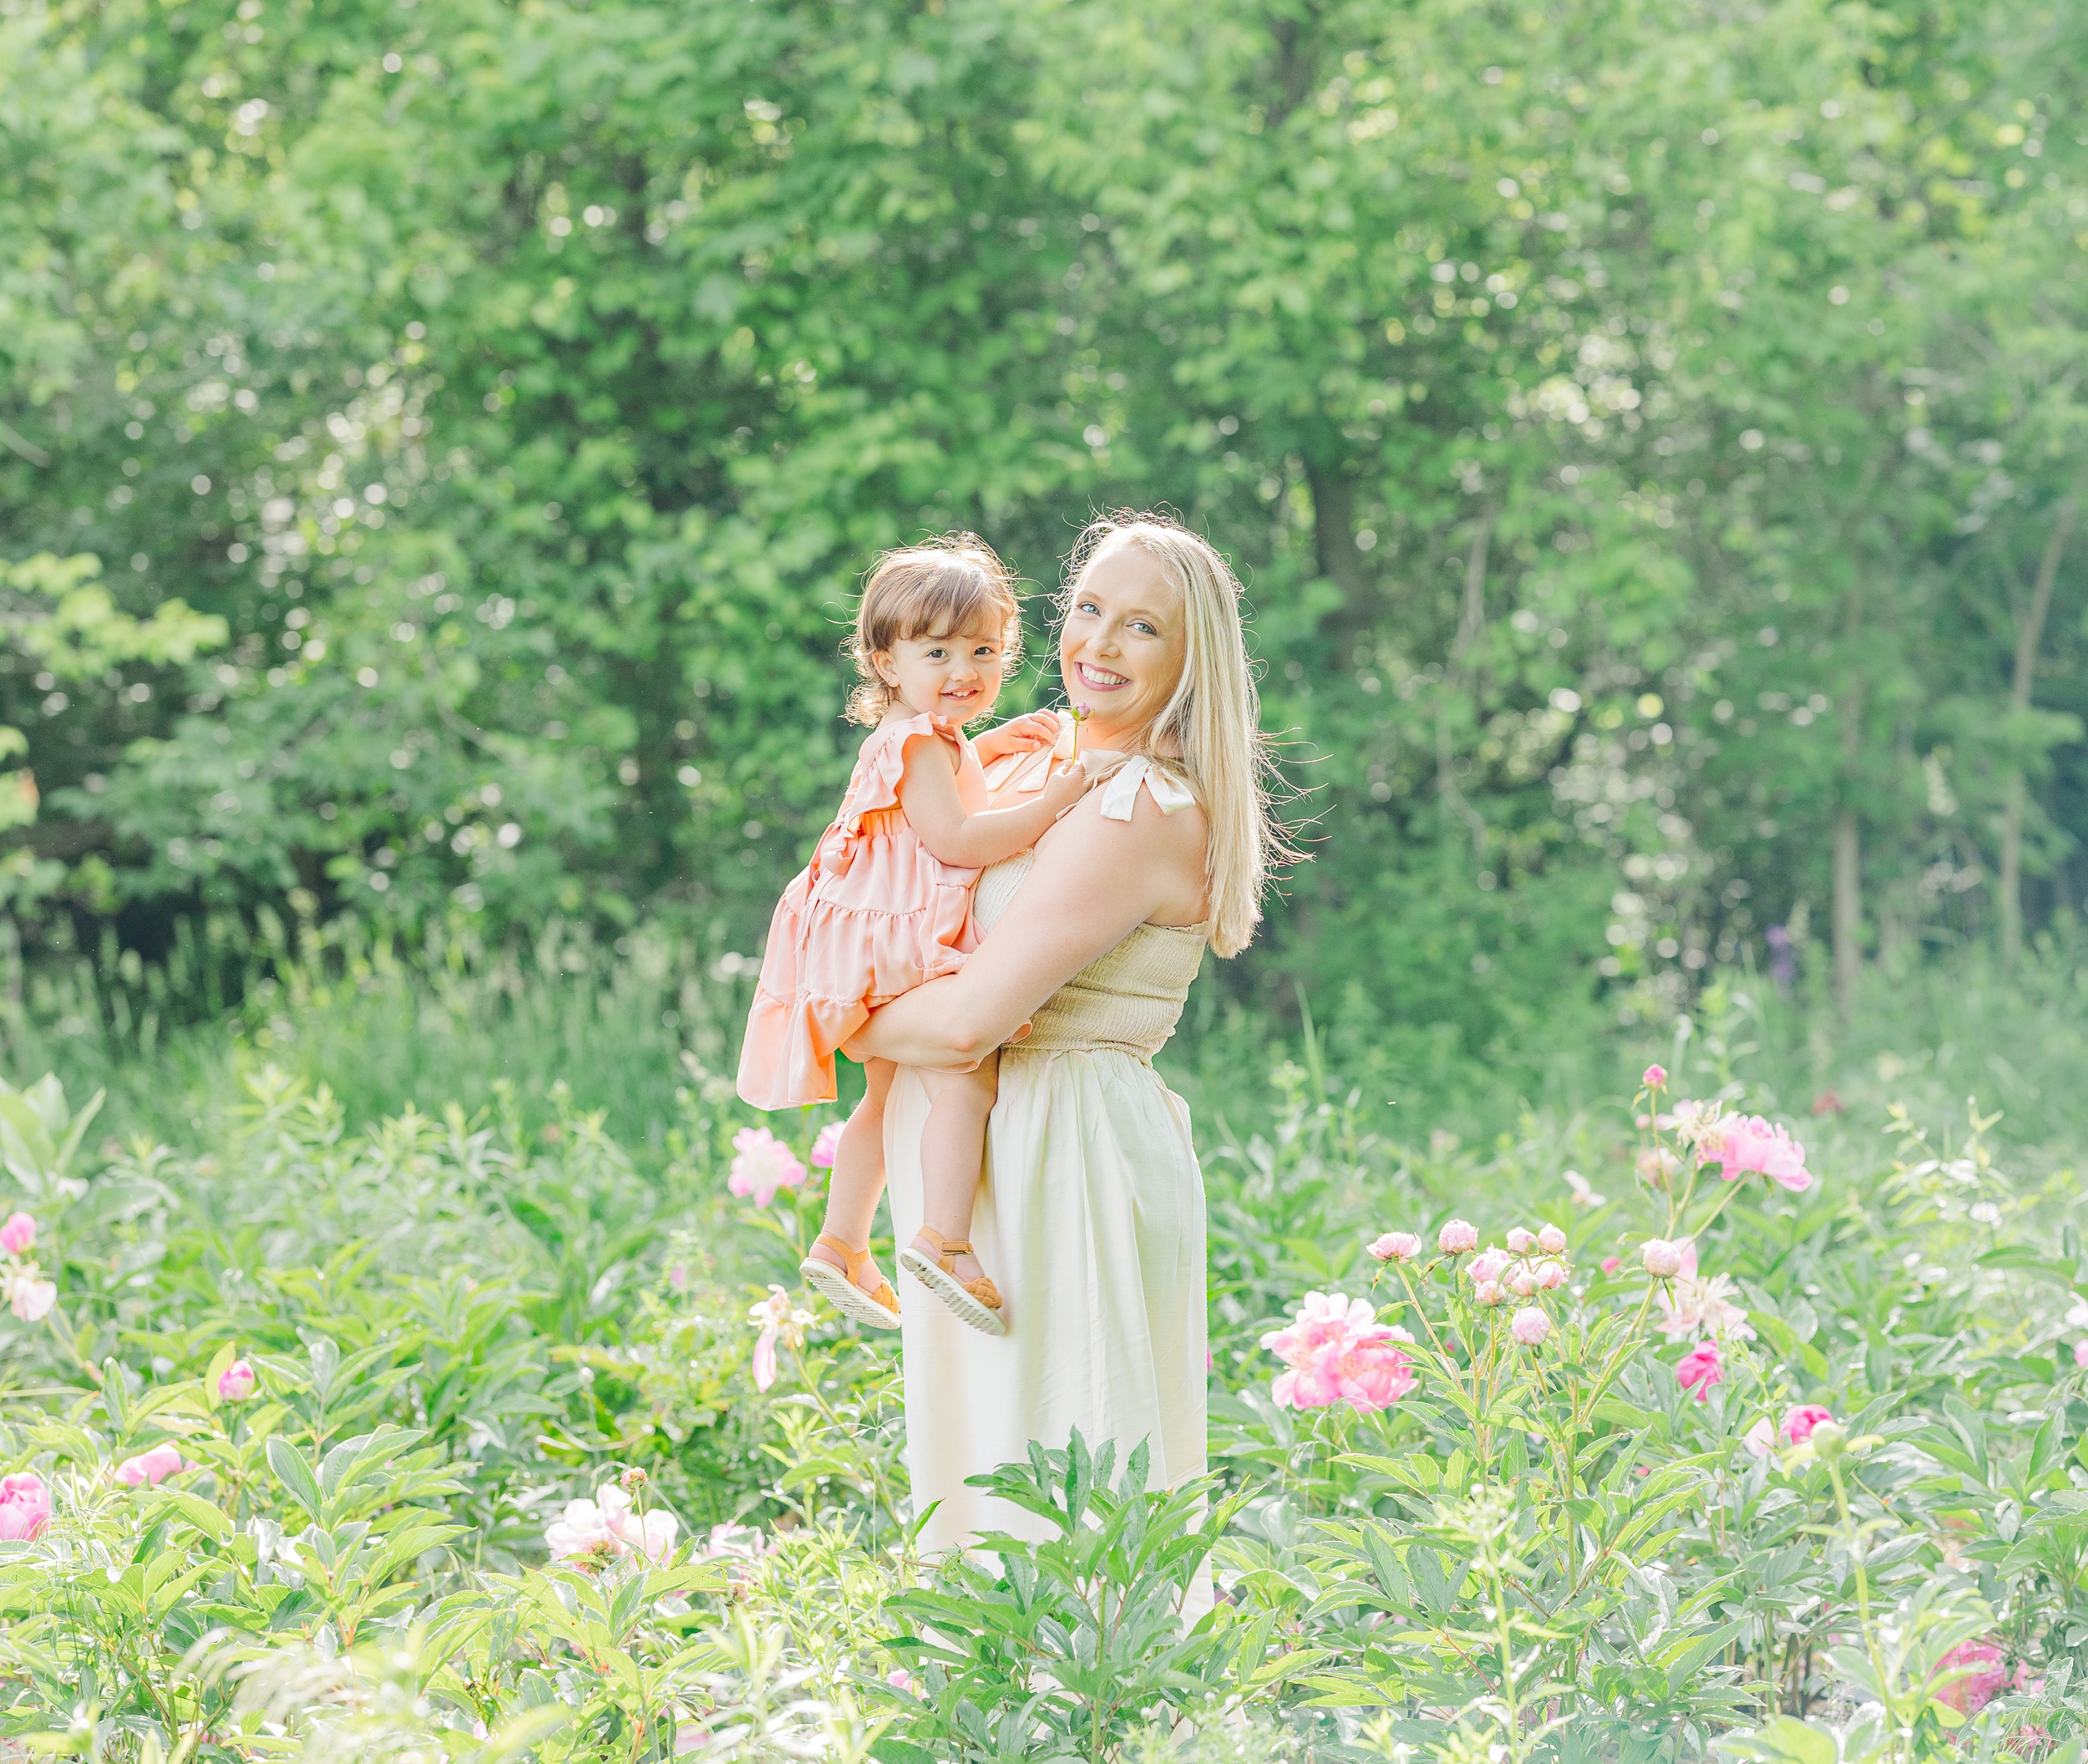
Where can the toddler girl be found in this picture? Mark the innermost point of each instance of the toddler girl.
(886, 904)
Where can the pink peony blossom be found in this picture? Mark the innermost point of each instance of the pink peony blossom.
(777, 1320)
(1396, 1246)
(1457, 1237)
(25, 1507)
(1489, 1265)
(762, 1164)
(1531, 1326)
(1522, 1283)
(237, 1382)
(1323, 1318)
(1977, 1671)
(1744, 1144)
(1699, 1370)
(828, 1143)
(1552, 1240)
(1760, 1439)
(1550, 1276)
(1520, 1240)
(2081, 1353)
(1696, 1306)
(1653, 1077)
(1801, 1419)
(1611, 1264)
(899, 1679)
(29, 1298)
(18, 1233)
(1662, 1259)
(148, 1469)
(740, 1545)
(1337, 1352)
(596, 1532)
(1490, 1292)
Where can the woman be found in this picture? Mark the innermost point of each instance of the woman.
(1091, 1215)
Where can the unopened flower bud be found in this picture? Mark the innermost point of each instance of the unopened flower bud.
(1531, 1326)
(1522, 1283)
(632, 1480)
(1552, 1240)
(1489, 1293)
(1654, 1076)
(1457, 1237)
(1663, 1259)
(1550, 1276)
(1830, 1439)
(1519, 1241)
(1396, 1246)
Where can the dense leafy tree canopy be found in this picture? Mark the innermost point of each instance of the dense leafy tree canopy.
(1652, 437)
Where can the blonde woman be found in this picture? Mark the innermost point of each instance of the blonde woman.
(1091, 1211)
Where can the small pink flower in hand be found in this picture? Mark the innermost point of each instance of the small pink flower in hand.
(1531, 1326)
(18, 1233)
(1396, 1246)
(1456, 1237)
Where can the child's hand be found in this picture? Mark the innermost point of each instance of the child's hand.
(1023, 734)
(1065, 786)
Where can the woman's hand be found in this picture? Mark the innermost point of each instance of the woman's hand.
(1023, 734)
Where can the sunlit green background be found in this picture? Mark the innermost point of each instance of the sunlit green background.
(1652, 435)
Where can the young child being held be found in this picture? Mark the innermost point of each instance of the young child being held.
(885, 905)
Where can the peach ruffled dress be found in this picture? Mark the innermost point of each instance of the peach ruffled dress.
(874, 914)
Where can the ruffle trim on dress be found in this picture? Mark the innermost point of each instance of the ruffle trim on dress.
(883, 763)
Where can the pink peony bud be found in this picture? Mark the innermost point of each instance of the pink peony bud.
(1522, 1282)
(1396, 1246)
(1489, 1293)
(1520, 1240)
(1552, 1240)
(1699, 1370)
(1662, 1259)
(236, 1382)
(1531, 1326)
(1654, 1076)
(828, 1143)
(1489, 1265)
(148, 1469)
(1611, 1264)
(1457, 1237)
(1550, 1276)
(1800, 1420)
(18, 1233)
(25, 1507)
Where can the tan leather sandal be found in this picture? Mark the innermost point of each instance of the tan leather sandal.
(976, 1302)
(878, 1308)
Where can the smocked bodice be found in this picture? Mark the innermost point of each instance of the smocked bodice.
(1128, 999)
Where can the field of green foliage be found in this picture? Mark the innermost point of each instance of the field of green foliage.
(343, 1420)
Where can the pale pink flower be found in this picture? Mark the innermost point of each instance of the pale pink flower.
(1657, 1164)
(739, 1545)
(1801, 1419)
(1552, 1240)
(1519, 1240)
(899, 1679)
(1531, 1326)
(762, 1164)
(1456, 1237)
(1396, 1246)
(1337, 1352)
(1695, 1306)
(1372, 1373)
(1691, 1122)
(2081, 1353)
(29, 1298)
(1760, 1439)
(25, 1507)
(1323, 1318)
(1489, 1265)
(18, 1233)
(1584, 1194)
(2024, 1685)
(1490, 1292)
(824, 1148)
(237, 1382)
(1977, 1671)
(1653, 1077)
(607, 1527)
(1743, 1144)
(779, 1320)
(1699, 1370)
(1550, 1276)
(1662, 1259)
(148, 1469)
(1522, 1283)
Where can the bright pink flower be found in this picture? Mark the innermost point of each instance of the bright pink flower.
(1662, 1258)
(1760, 1439)
(1489, 1265)
(1611, 1264)
(25, 1507)
(1520, 1240)
(828, 1143)
(1456, 1237)
(18, 1233)
(1323, 1318)
(1801, 1419)
(237, 1382)
(1550, 1276)
(899, 1679)
(1978, 1672)
(1531, 1326)
(1337, 1352)
(1744, 1144)
(1654, 1076)
(1699, 1370)
(148, 1469)
(1373, 1373)
(762, 1164)
(1552, 1240)
(1396, 1246)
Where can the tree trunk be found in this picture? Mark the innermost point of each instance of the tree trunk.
(1333, 535)
(2029, 632)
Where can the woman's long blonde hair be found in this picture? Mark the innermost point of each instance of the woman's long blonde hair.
(1214, 718)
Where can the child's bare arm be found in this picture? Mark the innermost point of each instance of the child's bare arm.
(928, 793)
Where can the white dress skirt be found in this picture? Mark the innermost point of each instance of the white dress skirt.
(1090, 1220)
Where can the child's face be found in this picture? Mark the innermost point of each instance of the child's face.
(957, 675)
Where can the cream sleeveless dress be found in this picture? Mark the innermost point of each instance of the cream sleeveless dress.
(1090, 1219)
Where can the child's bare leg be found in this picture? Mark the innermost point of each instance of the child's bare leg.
(952, 1149)
(859, 1175)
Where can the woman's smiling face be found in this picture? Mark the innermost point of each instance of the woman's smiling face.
(1122, 648)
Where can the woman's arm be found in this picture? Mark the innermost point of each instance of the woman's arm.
(1095, 879)
(928, 793)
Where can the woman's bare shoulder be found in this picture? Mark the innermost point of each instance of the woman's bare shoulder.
(1161, 849)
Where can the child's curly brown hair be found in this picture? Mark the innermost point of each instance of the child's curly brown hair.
(937, 588)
